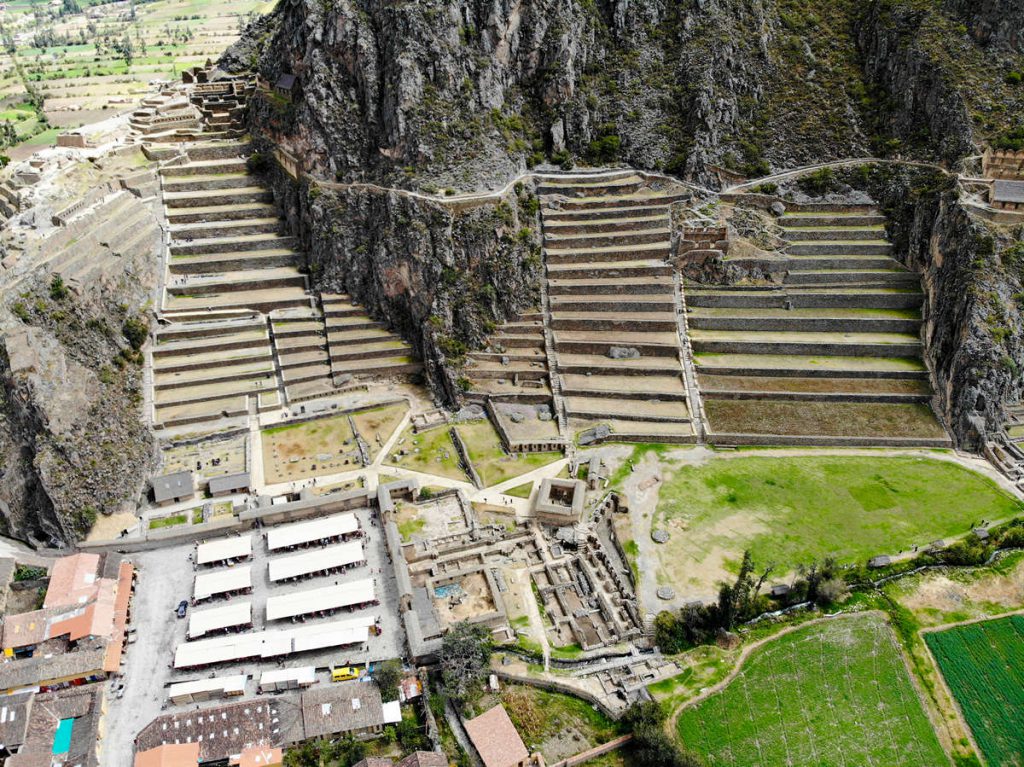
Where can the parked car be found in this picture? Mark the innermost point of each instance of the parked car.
(182, 608)
(343, 673)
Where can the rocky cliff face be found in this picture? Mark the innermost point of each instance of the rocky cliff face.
(443, 275)
(972, 275)
(73, 442)
(463, 94)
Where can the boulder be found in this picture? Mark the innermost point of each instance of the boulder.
(623, 353)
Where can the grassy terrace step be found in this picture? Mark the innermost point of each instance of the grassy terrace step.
(830, 220)
(301, 328)
(211, 213)
(263, 300)
(807, 298)
(842, 262)
(611, 325)
(302, 390)
(668, 386)
(613, 303)
(891, 277)
(401, 365)
(710, 384)
(620, 238)
(199, 181)
(505, 390)
(783, 342)
(370, 350)
(837, 248)
(741, 387)
(610, 287)
(221, 262)
(190, 232)
(207, 329)
(807, 320)
(517, 355)
(189, 359)
(361, 335)
(205, 391)
(220, 150)
(304, 358)
(654, 250)
(590, 187)
(839, 233)
(309, 372)
(809, 366)
(220, 245)
(352, 322)
(610, 269)
(556, 216)
(627, 430)
(247, 280)
(215, 374)
(616, 201)
(232, 165)
(208, 197)
(249, 339)
(599, 364)
(638, 410)
(869, 420)
(198, 412)
(306, 342)
(565, 226)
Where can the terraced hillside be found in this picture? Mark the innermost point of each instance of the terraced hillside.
(834, 355)
(246, 334)
(613, 306)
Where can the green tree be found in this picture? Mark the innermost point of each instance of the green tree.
(58, 290)
(388, 675)
(465, 655)
(135, 330)
(651, 746)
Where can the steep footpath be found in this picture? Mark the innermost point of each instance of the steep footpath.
(832, 356)
(612, 307)
(244, 332)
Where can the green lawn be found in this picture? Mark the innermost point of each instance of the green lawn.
(797, 509)
(490, 460)
(176, 519)
(983, 663)
(521, 491)
(431, 451)
(830, 694)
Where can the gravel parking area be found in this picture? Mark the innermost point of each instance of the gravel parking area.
(166, 577)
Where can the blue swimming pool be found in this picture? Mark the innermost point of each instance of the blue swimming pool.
(62, 738)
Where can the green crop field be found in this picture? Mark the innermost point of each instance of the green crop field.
(793, 510)
(829, 694)
(983, 664)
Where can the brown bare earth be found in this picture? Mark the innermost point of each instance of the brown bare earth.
(822, 418)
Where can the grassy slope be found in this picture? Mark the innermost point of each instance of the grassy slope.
(835, 693)
(983, 663)
(797, 509)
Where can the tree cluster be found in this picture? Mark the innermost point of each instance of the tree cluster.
(651, 746)
(743, 600)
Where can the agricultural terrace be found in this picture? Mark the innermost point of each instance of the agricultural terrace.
(796, 509)
(983, 664)
(836, 692)
(99, 58)
(309, 449)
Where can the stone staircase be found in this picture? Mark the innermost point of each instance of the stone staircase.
(612, 309)
(833, 356)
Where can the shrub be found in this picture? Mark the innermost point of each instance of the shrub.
(135, 330)
(58, 290)
(817, 183)
(1014, 78)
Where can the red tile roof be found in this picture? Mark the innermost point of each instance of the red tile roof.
(73, 580)
(169, 755)
(496, 739)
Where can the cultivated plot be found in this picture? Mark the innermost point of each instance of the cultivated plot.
(983, 664)
(836, 693)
